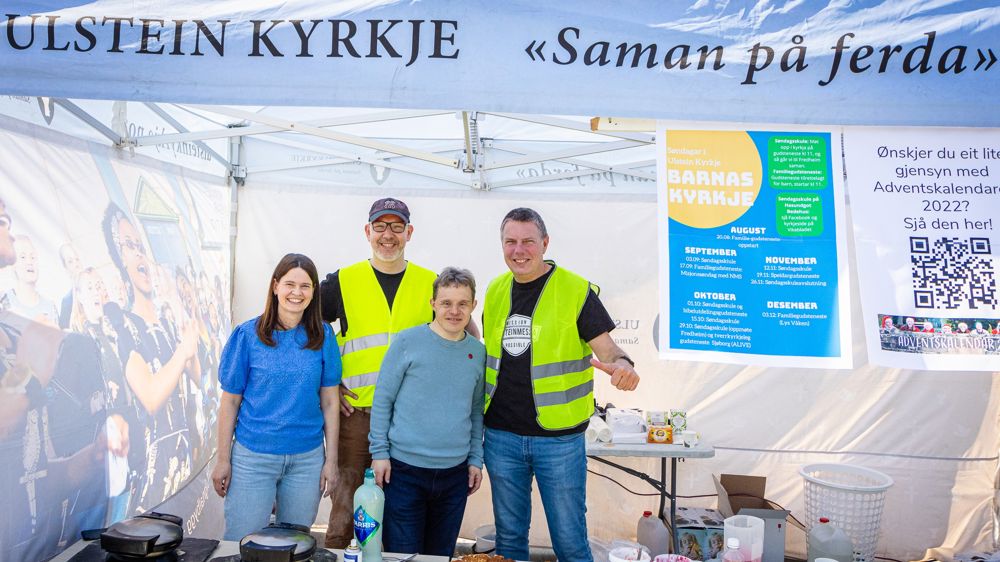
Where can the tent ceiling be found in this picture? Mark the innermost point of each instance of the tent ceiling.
(474, 150)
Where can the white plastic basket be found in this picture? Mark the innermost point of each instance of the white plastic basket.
(851, 497)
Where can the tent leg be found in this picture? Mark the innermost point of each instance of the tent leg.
(237, 173)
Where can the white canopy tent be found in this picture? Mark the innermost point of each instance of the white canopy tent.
(302, 178)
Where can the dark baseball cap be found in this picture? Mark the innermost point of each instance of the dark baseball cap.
(389, 206)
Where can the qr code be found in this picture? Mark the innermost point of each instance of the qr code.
(951, 273)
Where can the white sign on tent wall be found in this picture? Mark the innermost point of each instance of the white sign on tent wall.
(752, 247)
(926, 210)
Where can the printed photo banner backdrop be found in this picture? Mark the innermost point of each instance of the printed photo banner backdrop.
(753, 264)
(114, 284)
(926, 210)
(866, 62)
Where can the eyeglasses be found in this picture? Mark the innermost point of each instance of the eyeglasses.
(397, 227)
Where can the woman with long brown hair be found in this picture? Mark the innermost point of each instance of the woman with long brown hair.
(279, 375)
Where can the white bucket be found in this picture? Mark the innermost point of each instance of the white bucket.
(486, 538)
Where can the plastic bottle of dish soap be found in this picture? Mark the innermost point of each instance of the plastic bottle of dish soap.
(369, 503)
(732, 552)
(829, 541)
(652, 534)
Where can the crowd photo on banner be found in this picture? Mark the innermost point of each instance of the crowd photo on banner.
(112, 314)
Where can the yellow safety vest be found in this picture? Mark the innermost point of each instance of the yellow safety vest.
(372, 325)
(562, 378)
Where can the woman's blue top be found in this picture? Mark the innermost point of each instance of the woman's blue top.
(280, 412)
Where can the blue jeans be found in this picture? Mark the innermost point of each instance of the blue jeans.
(559, 465)
(424, 508)
(259, 480)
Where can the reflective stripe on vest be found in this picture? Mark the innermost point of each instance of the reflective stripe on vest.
(562, 379)
(364, 342)
(371, 325)
(492, 366)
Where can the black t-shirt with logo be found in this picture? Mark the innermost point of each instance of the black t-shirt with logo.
(513, 405)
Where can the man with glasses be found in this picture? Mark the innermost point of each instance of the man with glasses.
(374, 300)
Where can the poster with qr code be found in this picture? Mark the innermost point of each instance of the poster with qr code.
(926, 206)
(753, 247)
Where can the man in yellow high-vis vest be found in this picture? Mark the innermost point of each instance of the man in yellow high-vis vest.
(542, 324)
(374, 300)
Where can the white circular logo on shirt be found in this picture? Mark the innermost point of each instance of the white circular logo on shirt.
(517, 334)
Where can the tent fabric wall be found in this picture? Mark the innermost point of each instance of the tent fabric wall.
(65, 465)
(934, 433)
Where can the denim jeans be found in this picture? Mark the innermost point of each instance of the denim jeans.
(424, 508)
(559, 465)
(259, 480)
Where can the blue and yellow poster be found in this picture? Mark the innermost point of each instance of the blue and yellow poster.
(752, 247)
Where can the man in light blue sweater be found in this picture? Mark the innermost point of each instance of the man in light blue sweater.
(426, 435)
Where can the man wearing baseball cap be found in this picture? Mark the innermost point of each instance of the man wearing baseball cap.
(374, 300)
